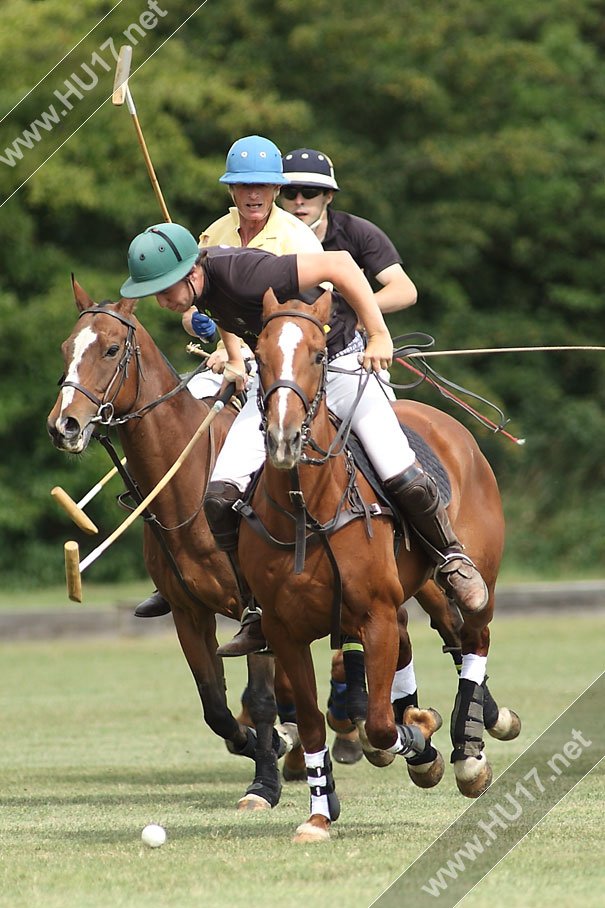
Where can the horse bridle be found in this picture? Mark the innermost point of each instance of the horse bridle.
(310, 406)
(105, 408)
(105, 412)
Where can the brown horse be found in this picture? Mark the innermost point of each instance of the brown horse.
(116, 375)
(310, 544)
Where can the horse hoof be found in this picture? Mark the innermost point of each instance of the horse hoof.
(294, 768)
(507, 727)
(372, 754)
(253, 802)
(344, 750)
(428, 720)
(473, 776)
(288, 732)
(308, 832)
(427, 775)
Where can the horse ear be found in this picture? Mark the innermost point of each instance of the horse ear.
(82, 299)
(322, 306)
(270, 303)
(127, 306)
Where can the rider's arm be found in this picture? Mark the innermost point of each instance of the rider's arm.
(397, 291)
(341, 270)
(235, 369)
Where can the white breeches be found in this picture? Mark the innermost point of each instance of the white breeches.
(208, 383)
(374, 422)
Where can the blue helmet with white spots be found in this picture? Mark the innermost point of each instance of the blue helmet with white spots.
(254, 159)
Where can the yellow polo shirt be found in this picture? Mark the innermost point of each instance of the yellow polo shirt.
(283, 234)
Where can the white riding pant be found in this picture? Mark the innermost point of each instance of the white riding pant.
(208, 383)
(374, 422)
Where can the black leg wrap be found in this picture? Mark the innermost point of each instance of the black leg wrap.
(355, 673)
(249, 748)
(490, 707)
(427, 756)
(328, 788)
(400, 705)
(222, 519)
(267, 781)
(466, 727)
(412, 739)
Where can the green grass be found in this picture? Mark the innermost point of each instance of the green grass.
(101, 738)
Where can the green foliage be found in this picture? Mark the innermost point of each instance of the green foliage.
(470, 130)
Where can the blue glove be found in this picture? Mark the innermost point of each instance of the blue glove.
(203, 326)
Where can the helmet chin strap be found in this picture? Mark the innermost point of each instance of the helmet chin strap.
(189, 283)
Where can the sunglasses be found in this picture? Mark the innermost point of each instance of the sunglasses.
(307, 192)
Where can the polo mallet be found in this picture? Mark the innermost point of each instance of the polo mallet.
(75, 509)
(73, 565)
(121, 93)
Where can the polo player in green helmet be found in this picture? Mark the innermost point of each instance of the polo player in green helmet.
(230, 284)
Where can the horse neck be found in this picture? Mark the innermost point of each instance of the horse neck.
(153, 441)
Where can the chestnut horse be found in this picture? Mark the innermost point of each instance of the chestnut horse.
(116, 375)
(298, 545)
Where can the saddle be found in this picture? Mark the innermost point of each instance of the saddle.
(426, 456)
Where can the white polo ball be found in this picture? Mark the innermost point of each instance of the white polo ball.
(154, 835)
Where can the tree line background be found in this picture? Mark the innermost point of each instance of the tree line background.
(471, 131)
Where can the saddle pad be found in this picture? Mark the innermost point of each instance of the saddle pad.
(426, 456)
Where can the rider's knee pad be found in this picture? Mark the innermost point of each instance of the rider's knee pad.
(222, 519)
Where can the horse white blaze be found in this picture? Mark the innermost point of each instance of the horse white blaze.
(83, 341)
(289, 338)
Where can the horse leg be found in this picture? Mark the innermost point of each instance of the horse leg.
(265, 790)
(198, 642)
(325, 806)
(500, 722)
(427, 768)
(294, 769)
(472, 770)
(380, 642)
(346, 688)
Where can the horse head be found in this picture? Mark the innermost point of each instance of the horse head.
(96, 379)
(292, 358)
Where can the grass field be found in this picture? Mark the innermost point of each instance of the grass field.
(101, 738)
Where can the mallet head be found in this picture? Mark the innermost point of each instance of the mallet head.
(120, 82)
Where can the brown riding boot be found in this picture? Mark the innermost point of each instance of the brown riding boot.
(249, 638)
(152, 607)
(224, 522)
(417, 496)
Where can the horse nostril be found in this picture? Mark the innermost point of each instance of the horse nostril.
(70, 427)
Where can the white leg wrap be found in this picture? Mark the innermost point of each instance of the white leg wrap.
(319, 798)
(474, 668)
(404, 682)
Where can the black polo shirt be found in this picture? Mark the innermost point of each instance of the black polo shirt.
(236, 280)
(368, 244)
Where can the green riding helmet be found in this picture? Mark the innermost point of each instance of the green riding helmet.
(158, 258)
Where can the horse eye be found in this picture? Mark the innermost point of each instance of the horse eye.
(320, 356)
(113, 350)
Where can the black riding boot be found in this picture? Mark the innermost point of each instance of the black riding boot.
(417, 496)
(224, 523)
(152, 607)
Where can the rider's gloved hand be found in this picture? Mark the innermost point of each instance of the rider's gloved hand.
(203, 326)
